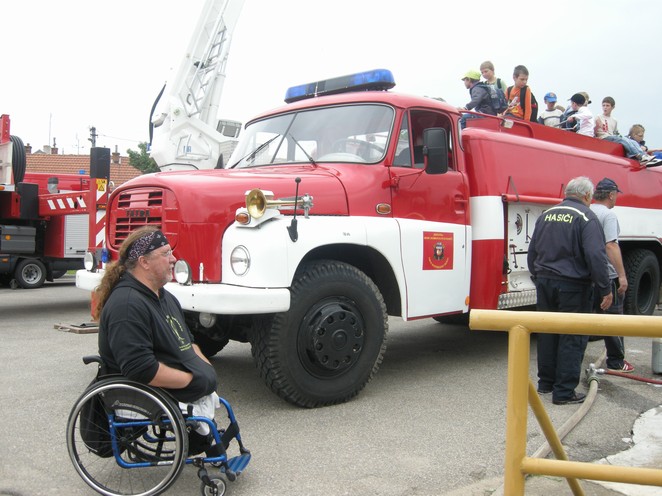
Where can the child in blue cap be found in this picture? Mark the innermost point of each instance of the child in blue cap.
(551, 116)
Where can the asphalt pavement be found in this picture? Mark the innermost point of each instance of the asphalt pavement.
(432, 421)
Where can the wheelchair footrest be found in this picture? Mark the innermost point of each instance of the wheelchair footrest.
(238, 463)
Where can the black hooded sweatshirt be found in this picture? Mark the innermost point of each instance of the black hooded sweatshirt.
(138, 330)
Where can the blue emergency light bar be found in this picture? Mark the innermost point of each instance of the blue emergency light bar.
(375, 80)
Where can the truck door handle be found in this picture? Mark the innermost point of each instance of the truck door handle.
(460, 203)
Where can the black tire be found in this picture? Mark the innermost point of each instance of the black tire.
(30, 273)
(218, 481)
(153, 448)
(643, 273)
(19, 160)
(330, 343)
(209, 346)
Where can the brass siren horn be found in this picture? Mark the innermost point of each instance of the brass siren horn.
(257, 203)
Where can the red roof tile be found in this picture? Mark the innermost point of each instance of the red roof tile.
(73, 164)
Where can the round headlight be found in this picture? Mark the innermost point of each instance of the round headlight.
(182, 272)
(90, 262)
(240, 260)
(207, 319)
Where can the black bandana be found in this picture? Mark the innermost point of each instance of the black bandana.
(146, 244)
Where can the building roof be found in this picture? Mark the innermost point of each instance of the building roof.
(72, 164)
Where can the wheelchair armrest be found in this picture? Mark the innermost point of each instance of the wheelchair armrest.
(92, 359)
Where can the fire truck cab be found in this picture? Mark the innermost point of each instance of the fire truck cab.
(353, 203)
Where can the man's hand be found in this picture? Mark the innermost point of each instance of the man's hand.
(622, 285)
(606, 302)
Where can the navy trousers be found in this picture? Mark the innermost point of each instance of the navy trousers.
(560, 356)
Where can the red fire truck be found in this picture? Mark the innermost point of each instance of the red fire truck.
(44, 218)
(353, 203)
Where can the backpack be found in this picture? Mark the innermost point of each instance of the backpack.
(498, 100)
(522, 102)
(534, 104)
(93, 424)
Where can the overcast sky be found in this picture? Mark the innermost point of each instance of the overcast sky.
(72, 64)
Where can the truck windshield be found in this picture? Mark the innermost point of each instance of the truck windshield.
(352, 133)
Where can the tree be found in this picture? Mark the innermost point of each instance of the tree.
(141, 160)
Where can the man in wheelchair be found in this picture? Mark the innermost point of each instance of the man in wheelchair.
(150, 410)
(142, 332)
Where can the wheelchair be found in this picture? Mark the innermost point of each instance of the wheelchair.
(127, 438)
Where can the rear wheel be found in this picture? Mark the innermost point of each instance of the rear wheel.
(643, 273)
(330, 343)
(30, 273)
(142, 453)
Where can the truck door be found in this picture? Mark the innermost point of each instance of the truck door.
(432, 213)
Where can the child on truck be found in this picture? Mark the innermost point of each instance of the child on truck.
(606, 127)
(520, 102)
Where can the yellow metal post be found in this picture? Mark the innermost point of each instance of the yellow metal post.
(516, 409)
(552, 437)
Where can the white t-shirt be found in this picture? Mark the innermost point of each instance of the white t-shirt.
(605, 126)
(610, 228)
(586, 121)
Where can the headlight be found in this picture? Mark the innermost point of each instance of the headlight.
(207, 319)
(182, 272)
(90, 262)
(240, 260)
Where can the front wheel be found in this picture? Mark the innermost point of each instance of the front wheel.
(218, 489)
(643, 273)
(330, 343)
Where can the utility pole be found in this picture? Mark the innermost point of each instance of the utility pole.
(93, 136)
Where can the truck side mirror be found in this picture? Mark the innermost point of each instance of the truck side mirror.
(435, 150)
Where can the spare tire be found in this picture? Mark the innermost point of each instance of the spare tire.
(18, 162)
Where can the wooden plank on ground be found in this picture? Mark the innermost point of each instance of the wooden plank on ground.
(84, 328)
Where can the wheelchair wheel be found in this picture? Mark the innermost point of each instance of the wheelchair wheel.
(219, 490)
(139, 445)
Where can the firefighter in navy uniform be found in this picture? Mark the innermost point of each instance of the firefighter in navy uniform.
(568, 261)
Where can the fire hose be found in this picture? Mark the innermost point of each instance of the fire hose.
(628, 375)
(581, 412)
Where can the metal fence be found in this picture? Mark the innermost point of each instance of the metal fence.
(521, 391)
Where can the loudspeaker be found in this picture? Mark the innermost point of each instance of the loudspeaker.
(29, 193)
(100, 163)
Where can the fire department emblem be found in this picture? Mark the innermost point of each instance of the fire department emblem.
(437, 251)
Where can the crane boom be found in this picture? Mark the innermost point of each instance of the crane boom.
(186, 132)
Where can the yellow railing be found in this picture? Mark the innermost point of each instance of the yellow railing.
(521, 391)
